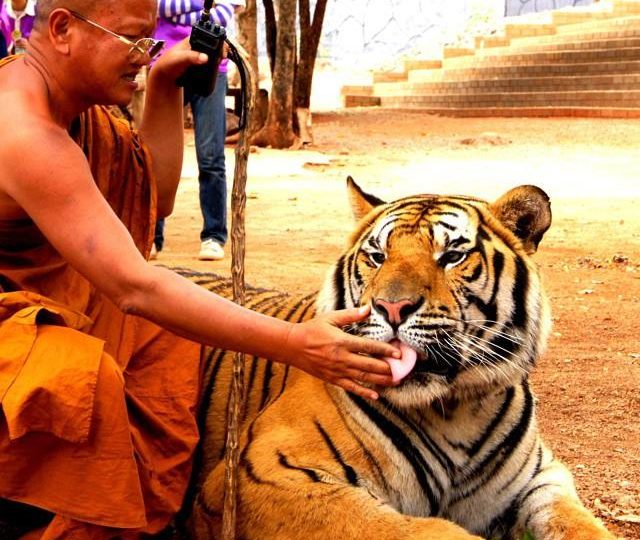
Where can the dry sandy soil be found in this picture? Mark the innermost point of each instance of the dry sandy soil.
(587, 383)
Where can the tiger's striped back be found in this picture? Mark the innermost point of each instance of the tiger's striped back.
(263, 381)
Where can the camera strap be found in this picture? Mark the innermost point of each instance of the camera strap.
(234, 56)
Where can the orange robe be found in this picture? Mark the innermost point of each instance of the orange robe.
(97, 408)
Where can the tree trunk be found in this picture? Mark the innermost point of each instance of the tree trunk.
(248, 33)
(303, 123)
(271, 31)
(248, 38)
(278, 130)
(310, 33)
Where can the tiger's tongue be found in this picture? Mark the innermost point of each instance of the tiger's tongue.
(401, 367)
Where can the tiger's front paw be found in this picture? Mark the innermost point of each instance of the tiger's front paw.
(572, 521)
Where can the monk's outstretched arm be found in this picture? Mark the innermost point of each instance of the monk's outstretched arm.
(74, 216)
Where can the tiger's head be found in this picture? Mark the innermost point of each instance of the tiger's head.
(451, 282)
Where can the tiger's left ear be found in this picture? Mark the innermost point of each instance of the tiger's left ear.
(361, 203)
(526, 212)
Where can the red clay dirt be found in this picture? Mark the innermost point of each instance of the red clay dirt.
(587, 382)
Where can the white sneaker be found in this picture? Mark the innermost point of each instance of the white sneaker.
(210, 250)
(154, 253)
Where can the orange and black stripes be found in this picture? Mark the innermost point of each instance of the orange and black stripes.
(457, 439)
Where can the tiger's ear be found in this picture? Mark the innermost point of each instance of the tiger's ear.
(361, 203)
(526, 212)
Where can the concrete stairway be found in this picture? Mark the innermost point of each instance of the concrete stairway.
(579, 62)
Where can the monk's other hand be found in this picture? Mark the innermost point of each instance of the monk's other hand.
(173, 62)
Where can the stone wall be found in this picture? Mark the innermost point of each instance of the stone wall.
(375, 33)
(520, 7)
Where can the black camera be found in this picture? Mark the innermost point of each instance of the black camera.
(208, 38)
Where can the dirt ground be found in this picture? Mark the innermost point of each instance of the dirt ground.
(587, 383)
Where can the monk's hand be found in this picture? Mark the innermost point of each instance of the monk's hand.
(173, 62)
(322, 349)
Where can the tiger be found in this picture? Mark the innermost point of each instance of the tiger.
(453, 451)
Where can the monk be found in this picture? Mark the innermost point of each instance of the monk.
(99, 350)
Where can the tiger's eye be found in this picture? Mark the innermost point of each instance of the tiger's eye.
(377, 257)
(451, 257)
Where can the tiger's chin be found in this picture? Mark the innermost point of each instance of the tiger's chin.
(417, 391)
(422, 388)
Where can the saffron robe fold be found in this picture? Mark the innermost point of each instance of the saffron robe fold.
(97, 408)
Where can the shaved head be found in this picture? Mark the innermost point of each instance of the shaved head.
(87, 7)
(45, 7)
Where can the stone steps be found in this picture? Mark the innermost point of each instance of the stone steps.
(571, 43)
(354, 100)
(535, 112)
(615, 24)
(579, 43)
(605, 25)
(568, 62)
(627, 81)
(628, 27)
(626, 7)
(532, 70)
(587, 98)
(618, 36)
(524, 58)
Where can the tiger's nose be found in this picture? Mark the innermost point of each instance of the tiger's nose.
(396, 312)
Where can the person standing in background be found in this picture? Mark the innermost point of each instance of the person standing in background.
(175, 18)
(3, 46)
(16, 21)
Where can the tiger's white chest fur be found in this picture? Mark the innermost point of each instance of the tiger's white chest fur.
(463, 461)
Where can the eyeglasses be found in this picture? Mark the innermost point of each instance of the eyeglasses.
(137, 49)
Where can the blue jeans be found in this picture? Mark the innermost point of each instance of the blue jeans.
(3, 46)
(210, 128)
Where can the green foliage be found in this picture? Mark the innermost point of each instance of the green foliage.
(528, 535)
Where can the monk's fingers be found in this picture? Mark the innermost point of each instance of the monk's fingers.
(356, 362)
(352, 386)
(371, 378)
(175, 60)
(371, 347)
